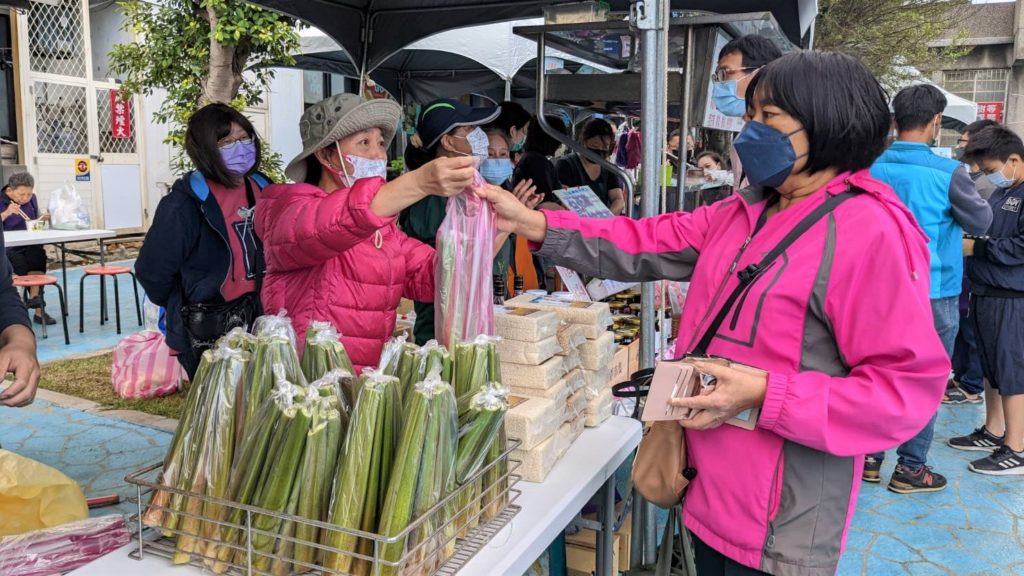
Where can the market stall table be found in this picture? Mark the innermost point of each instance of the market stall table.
(59, 238)
(547, 508)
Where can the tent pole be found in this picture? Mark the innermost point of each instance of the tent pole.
(508, 89)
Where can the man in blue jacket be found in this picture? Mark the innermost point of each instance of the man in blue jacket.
(996, 270)
(945, 203)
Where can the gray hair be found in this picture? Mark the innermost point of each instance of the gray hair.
(21, 179)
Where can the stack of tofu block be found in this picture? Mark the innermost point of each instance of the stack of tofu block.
(556, 355)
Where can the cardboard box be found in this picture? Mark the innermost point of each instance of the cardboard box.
(582, 560)
(588, 538)
(634, 357)
(619, 366)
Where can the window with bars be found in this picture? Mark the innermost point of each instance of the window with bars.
(61, 118)
(55, 37)
(977, 85)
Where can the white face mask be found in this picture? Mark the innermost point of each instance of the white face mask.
(478, 142)
(361, 168)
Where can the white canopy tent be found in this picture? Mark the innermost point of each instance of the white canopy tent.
(476, 49)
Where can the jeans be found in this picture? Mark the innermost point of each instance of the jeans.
(966, 361)
(913, 453)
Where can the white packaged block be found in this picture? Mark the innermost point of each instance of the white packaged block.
(572, 360)
(559, 393)
(540, 377)
(532, 353)
(597, 381)
(576, 405)
(597, 354)
(525, 325)
(599, 409)
(571, 337)
(575, 380)
(595, 317)
(533, 421)
(538, 462)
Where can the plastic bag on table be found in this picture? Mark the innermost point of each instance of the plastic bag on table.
(67, 210)
(62, 548)
(464, 292)
(34, 496)
(143, 367)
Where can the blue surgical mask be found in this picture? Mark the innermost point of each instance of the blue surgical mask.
(767, 155)
(726, 100)
(496, 170)
(999, 180)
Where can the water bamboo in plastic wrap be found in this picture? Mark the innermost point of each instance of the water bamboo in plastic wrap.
(364, 469)
(486, 417)
(252, 461)
(424, 467)
(408, 363)
(463, 297)
(319, 465)
(323, 353)
(214, 443)
(274, 349)
(495, 481)
(181, 447)
(391, 354)
(279, 476)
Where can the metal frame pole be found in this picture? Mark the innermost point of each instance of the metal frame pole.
(651, 19)
(684, 103)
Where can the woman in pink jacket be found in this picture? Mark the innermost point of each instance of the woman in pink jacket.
(840, 321)
(332, 247)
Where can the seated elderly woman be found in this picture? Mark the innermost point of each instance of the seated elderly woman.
(839, 323)
(18, 206)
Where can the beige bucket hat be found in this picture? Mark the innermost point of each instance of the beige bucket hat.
(339, 116)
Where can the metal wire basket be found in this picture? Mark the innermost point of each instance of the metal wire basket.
(440, 541)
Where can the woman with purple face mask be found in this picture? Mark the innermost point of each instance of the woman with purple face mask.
(202, 259)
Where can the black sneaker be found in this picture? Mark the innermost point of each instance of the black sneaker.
(872, 470)
(906, 481)
(981, 440)
(1002, 462)
(33, 303)
(48, 319)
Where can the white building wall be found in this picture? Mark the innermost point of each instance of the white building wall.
(285, 100)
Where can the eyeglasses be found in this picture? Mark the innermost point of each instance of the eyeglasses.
(723, 74)
(225, 144)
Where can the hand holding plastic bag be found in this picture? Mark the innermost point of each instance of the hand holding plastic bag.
(34, 496)
(464, 297)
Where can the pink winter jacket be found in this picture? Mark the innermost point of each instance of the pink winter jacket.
(323, 263)
(841, 321)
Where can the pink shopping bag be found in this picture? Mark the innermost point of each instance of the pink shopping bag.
(143, 367)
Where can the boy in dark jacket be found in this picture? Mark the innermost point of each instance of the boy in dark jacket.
(996, 271)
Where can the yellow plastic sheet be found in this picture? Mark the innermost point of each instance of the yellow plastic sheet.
(34, 496)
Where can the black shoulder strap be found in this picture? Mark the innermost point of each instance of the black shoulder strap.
(751, 273)
(260, 261)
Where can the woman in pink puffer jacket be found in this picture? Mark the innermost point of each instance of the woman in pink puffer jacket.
(333, 250)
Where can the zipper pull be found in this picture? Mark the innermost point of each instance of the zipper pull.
(378, 239)
(771, 536)
(739, 255)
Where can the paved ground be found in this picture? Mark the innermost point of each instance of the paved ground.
(972, 528)
(975, 526)
(96, 337)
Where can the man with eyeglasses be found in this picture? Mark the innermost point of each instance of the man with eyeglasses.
(738, 62)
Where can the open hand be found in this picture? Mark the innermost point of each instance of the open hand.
(446, 176)
(735, 391)
(512, 215)
(526, 193)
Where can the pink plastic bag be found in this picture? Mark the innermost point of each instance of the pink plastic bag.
(464, 287)
(144, 367)
(62, 548)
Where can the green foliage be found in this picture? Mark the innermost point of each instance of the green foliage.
(172, 53)
(890, 35)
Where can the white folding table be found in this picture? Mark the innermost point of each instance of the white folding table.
(60, 238)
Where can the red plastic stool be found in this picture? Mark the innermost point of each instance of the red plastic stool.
(103, 272)
(41, 281)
